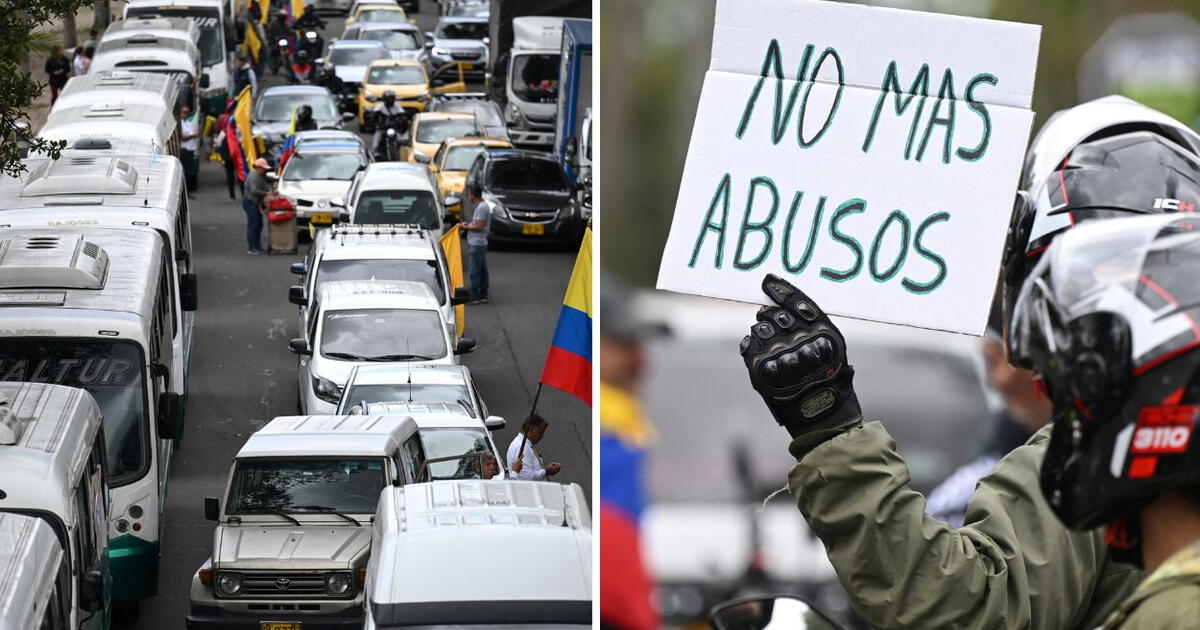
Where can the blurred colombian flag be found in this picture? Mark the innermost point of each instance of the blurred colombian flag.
(569, 362)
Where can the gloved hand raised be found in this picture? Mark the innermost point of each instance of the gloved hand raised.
(797, 362)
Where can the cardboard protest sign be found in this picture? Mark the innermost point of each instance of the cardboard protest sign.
(868, 155)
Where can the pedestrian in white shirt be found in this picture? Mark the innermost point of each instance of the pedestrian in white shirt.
(524, 461)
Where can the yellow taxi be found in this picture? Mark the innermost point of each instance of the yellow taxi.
(407, 78)
(430, 129)
(377, 12)
(452, 161)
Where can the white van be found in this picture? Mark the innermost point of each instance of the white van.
(148, 124)
(90, 308)
(356, 322)
(459, 553)
(121, 87)
(52, 455)
(395, 192)
(111, 186)
(217, 41)
(294, 529)
(377, 252)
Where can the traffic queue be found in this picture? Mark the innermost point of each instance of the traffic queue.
(368, 507)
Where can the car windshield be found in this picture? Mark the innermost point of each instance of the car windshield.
(306, 485)
(111, 372)
(279, 107)
(535, 78)
(527, 175)
(454, 442)
(383, 335)
(396, 75)
(485, 112)
(397, 206)
(461, 158)
(323, 166)
(381, 15)
(435, 131)
(393, 40)
(355, 56)
(405, 393)
(463, 30)
(423, 271)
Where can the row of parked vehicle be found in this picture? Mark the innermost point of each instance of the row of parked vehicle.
(380, 507)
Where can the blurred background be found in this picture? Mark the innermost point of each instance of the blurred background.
(717, 453)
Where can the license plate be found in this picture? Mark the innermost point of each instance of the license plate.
(467, 66)
(320, 217)
(534, 230)
(279, 625)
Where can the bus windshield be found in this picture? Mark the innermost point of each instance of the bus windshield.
(111, 371)
(208, 20)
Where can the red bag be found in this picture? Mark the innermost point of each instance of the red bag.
(279, 208)
(279, 216)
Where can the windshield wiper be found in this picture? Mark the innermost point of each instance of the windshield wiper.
(346, 356)
(399, 357)
(279, 512)
(327, 510)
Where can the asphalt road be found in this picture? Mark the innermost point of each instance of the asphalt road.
(242, 373)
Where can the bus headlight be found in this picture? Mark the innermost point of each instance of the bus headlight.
(229, 584)
(326, 390)
(338, 584)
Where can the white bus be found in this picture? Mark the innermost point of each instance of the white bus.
(149, 124)
(116, 185)
(147, 53)
(123, 87)
(52, 455)
(217, 41)
(89, 308)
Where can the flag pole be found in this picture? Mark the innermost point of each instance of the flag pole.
(525, 436)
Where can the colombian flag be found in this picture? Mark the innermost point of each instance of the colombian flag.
(626, 589)
(569, 362)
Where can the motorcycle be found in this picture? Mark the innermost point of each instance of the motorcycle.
(281, 55)
(301, 76)
(312, 43)
(778, 612)
(394, 130)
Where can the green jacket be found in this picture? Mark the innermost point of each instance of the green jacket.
(1013, 565)
(1168, 600)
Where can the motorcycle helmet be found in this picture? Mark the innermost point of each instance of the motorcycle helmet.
(1111, 318)
(304, 113)
(302, 56)
(389, 98)
(1119, 175)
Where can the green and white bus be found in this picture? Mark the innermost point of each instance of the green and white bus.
(217, 41)
(90, 308)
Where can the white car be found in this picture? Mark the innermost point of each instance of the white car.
(441, 550)
(317, 172)
(451, 438)
(376, 252)
(358, 322)
(395, 192)
(391, 383)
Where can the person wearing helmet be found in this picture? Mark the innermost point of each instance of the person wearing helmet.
(302, 69)
(304, 119)
(1109, 318)
(1012, 564)
(387, 114)
(309, 20)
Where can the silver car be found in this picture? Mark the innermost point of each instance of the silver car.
(273, 111)
(402, 40)
(460, 39)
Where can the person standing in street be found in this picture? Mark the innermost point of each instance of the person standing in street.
(523, 460)
(82, 61)
(58, 70)
(244, 75)
(189, 147)
(477, 242)
(257, 186)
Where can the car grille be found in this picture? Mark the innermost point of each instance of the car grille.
(286, 585)
(304, 203)
(527, 215)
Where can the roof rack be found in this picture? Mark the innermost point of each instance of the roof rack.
(389, 229)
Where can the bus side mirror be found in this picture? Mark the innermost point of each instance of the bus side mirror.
(91, 592)
(462, 295)
(170, 416)
(188, 292)
(212, 509)
(296, 295)
(298, 268)
(465, 345)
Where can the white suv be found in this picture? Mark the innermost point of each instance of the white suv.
(376, 252)
(395, 192)
(354, 323)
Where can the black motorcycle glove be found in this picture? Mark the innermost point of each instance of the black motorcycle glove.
(797, 362)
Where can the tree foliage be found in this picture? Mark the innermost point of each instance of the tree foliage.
(18, 88)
